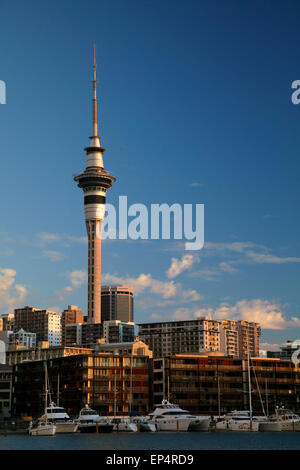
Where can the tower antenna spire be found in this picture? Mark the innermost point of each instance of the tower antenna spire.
(95, 123)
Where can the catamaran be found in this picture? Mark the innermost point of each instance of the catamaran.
(170, 417)
(238, 421)
(58, 416)
(282, 420)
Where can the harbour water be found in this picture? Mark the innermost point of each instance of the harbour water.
(155, 441)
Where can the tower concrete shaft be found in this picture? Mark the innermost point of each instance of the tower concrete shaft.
(94, 181)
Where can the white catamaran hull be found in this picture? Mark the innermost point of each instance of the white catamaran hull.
(278, 426)
(173, 425)
(199, 425)
(237, 426)
(66, 428)
(125, 427)
(47, 430)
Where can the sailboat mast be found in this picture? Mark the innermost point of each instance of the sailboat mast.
(58, 390)
(130, 403)
(267, 399)
(249, 380)
(115, 397)
(219, 397)
(46, 388)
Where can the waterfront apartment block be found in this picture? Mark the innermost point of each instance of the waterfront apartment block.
(232, 338)
(135, 348)
(17, 356)
(5, 390)
(213, 385)
(130, 381)
(111, 384)
(44, 323)
(72, 315)
(117, 303)
(192, 336)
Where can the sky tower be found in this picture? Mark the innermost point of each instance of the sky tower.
(94, 181)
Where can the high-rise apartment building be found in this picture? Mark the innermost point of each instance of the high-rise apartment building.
(248, 334)
(177, 337)
(83, 334)
(116, 331)
(23, 338)
(91, 333)
(44, 323)
(71, 315)
(7, 322)
(230, 337)
(117, 303)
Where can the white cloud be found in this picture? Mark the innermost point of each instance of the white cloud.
(209, 274)
(11, 295)
(7, 252)
(178, 266)
(267, 314)
(225, 266)
(190, 295)
(187, 314)
(77, 279)
(196, 184)
(48, 237)
(54, 255)
(263, 258)
(237, 247)
(156, 317)
(264, 347)
(77, 239)
(170, 292)
(166, 289)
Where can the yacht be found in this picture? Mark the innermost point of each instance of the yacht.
(61, 419)
(170, 417)
(104, 425)
(282, 420)
(90, 421)
(143, 424)
(42, 428)
(123, 424)
(238, 421)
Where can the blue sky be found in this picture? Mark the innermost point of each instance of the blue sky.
(195, 107)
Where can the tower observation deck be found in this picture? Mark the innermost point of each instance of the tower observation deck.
(94, 181)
